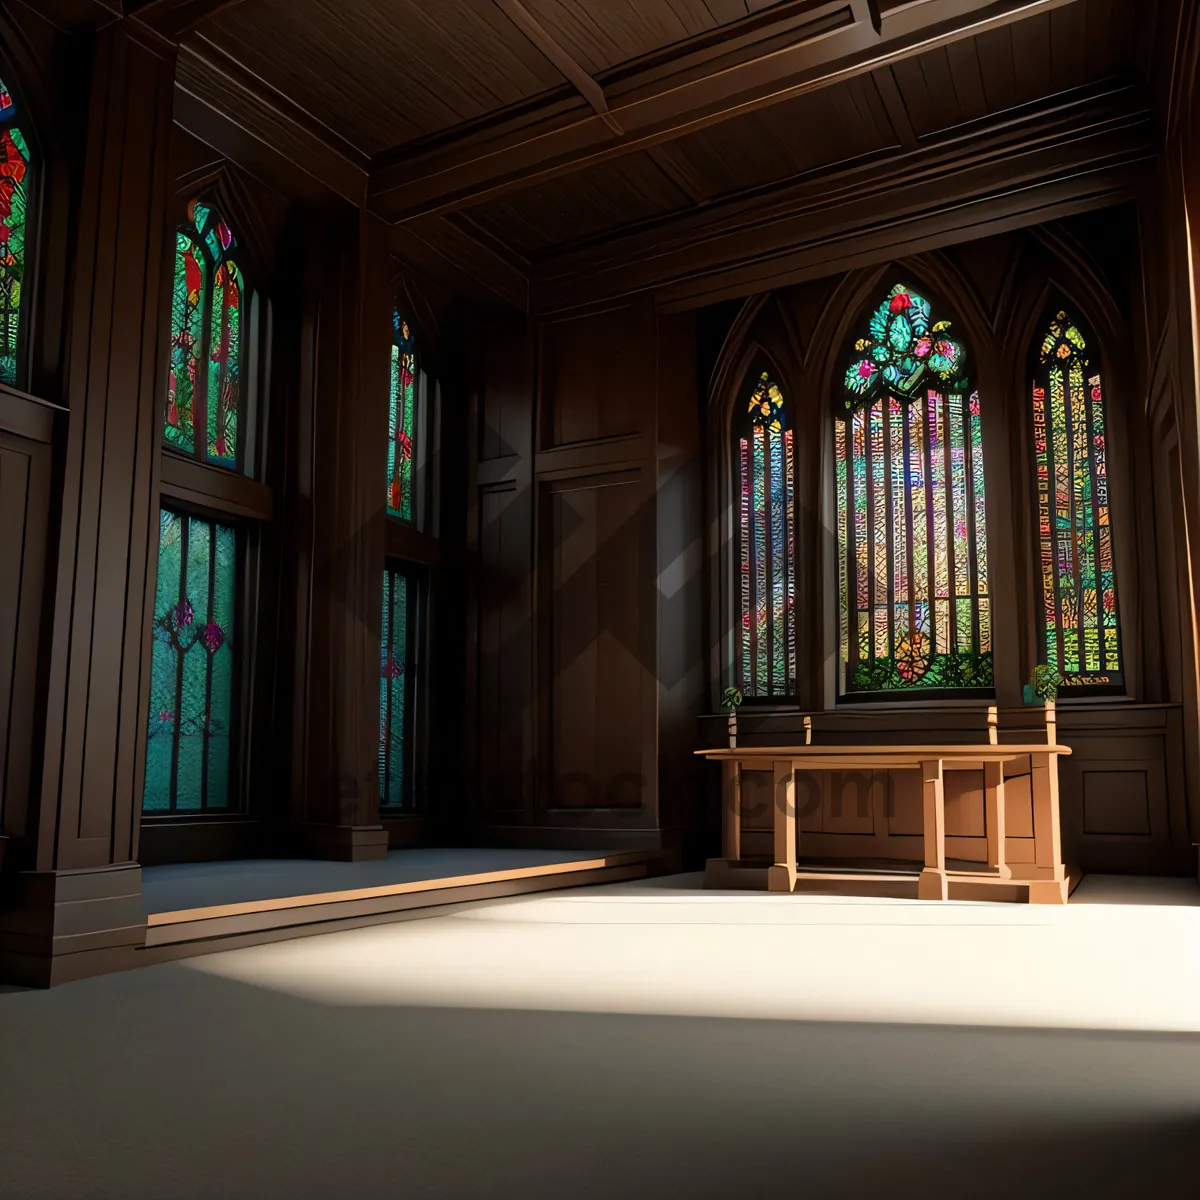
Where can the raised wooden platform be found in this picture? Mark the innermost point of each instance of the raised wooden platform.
(196, 908)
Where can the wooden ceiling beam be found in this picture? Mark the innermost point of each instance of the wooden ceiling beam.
(771, 56)
(174, 18)
(1011, 171)
(560, 58)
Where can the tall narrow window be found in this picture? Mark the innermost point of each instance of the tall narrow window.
(766, 552)
(912, 540)
(402, 420)
(14, 169)
(204, 389)
(1080, 637)
(188, 750)
(396, 692)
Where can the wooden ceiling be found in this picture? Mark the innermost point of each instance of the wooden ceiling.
(535, 129)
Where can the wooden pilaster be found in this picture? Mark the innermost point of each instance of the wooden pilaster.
(341, 484)
(80, 894)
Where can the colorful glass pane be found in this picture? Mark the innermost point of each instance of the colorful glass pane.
(188, 748)
(1080, 635)
(395, 689)
(909, 468)
(766, 657)
(401, 420)
(14, 171)
(204, 383)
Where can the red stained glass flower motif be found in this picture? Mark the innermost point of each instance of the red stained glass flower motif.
(900, 301)
(213, 637)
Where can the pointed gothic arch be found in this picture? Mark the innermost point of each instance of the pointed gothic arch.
(914, 605)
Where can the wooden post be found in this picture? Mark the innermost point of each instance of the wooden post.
(932, 884)
(1051, 884)
(782, 876)
(993, 783)
(731, 810)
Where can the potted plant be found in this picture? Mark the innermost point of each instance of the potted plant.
(1043, 688)
(730, 700)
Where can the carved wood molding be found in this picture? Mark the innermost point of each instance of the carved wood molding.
(753, 63)
(1076, 153)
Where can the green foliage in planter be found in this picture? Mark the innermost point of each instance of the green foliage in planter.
(731, 698)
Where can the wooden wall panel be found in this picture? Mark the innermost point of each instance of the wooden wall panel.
(24, 526)
(597, 376)
(504, 693)
(597, 628)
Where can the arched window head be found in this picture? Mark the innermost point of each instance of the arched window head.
(402, 418)
(914, 610)
(14, 171)
(1080, 637)
(766, 522)
(204, 387)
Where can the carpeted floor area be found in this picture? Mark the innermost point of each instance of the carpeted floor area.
(635, 1040)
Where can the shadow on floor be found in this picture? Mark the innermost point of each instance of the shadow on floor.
(172, 1082)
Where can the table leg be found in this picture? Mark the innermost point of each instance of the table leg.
(1047, 833)
(994, 815)
(782, 876)
(932, 885)
(731, 810)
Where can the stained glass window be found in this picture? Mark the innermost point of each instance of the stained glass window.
(402, 420)
(188, 752)
(204, 384)
(14, 170)
(1080, 637)
(914, 609)
(766, 521)
(396, 692)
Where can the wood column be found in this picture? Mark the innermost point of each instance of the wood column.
(77, 905)
(782, 875)
(341, 485)
(1050, 887)
(932, 883)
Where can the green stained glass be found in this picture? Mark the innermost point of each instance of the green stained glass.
(401, 420)
(397, 664)
(910, 497)
(204, 384)
(188, 755)
(1080, 636)
(14, 171)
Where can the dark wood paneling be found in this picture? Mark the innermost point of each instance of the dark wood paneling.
(1079, 44)
(1069, 156)
(503, 670)
(24, 528)
(588, 370)
(396, 70)
(795, 48)
(596, 627)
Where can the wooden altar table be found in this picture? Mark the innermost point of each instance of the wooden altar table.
(1045, 878)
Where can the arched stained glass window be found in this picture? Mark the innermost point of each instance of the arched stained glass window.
(204, 386)
(765, 542)
(14, 170)
(912, 540)
(1080, 636)
(402, 420)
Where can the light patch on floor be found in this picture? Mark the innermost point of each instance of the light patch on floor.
(1124, 955)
